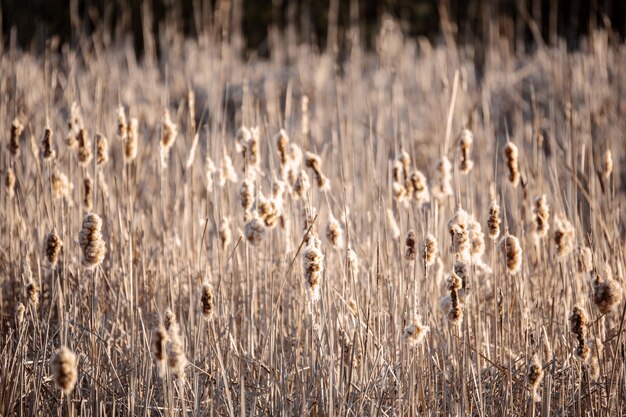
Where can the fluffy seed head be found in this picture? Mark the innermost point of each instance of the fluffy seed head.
(32, 292)
(61, 187)
(421, 195)
(578, 320)
(47, 151)
(465, 147)
(64, 369)
(53, 247)
(159, 346)
(19, 314)
(458, 227)
(314, 162)
(168, 137)
(132, 141)
(207, 301)
(334, 232)
(122, 127)
(102, 149)
(443, 178)
(84, 147)
(541, 217)
(584, 259)
(313, 264)
(512, 251)
(493, 222)
(88, 193)
(415, 332)
(14, 141)
(511, 159)
(607, 293)
(301, 185)
(91, 242)
(564, 235)
(410, 251)
(429, 250)
(225, 234)
(9, 183)
(246, 194)
(268, 209)
(607, 163)
(255, 229)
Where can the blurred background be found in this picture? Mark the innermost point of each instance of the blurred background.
(325, 23)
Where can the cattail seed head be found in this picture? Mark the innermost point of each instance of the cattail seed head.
(477, 239)
(352, 262)
(53, 248)
(607, 293)
(242, 137)
(176, 358)
(410, 244)
(20, 310)
(84, 147)
(64, 370)
(102, 149)
(32, 292)
(253, 148)
(228, 171)
(255, 229)
(415, 332)
(14, 142)
(443, 178)
(314, 162)
(88, 194)
(534, 375)
(168, 137)
(282, 142)
(159, 346)
(313, 264)
(170, 322)
(122, 127)
(207, 301)
(9, 183)
(564, 235)
(246, 194)
(47, 151)
(91, 242)
(511, 157)
(132, 140)
(541, 217)
(268, 209)
(512, 251)
(334, 232)
(578, 320)
(225, 234)
(61, 187)
(421, 195)
(493, 222)
(465, 147)
(301, 185)
(429, 250)
(458, 227)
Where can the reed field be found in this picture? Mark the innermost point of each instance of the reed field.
(385, 231)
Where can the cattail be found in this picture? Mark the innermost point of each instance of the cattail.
(278, 190)
(596, 347)
(301, 185)
(421, 195)
(225, 234)
(541, 216)
(607, 163)
(394, 229)
(74, 124)
(88, 194)
(32, 292)
(255, 229)
(176, 358)
(476, 238)
(607, 293)
(443, 178)
(268, 210)
(207, 300)
(64, 370)
(47, 151)
(415, 332)
(429, 250)
(91, 242)
(410, 251)
(314, 162)
(102, 149)
(405, 160)
(334, 232)
(282, 141)
(511, 156)
(170, 322)
(209, 167)
(564, 235)
(584, 259)
(493, 221)
(454, 284)
(14, 142)
(53, 247)
(19, 314)
(352, 262)
(577, 325)
(159, 344)
(9, 183)
(313, 263)
(465, 146)
(246, 194)
(253, 148)
(122, 127)
(351, 352)
(228, 171)
(458, 227)
(534, 375)
(168, 137)
(132, 140)
(512, 251)
(84, 148)
(242, 137)
(61, 187)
